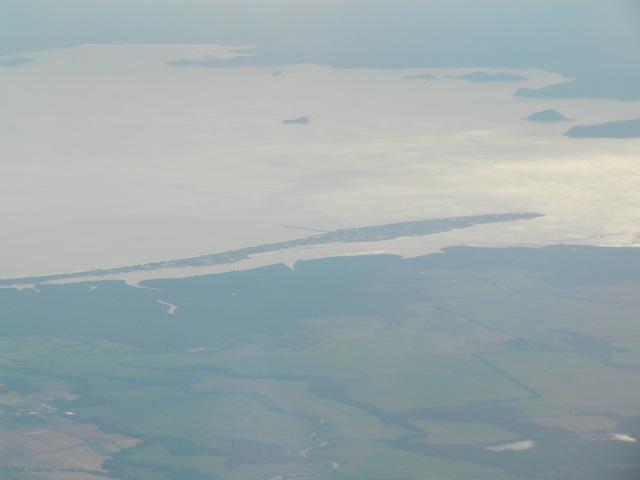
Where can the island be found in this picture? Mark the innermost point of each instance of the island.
(547, 116)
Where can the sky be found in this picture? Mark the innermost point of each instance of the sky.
(591, 40)
(451, 33)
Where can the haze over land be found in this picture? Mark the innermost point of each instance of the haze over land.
(319, 240)
(593, 43)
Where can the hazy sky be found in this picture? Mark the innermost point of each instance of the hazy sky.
(393, 32)
(596, 41)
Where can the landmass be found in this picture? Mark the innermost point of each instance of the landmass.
(547, 116)
(214, 61)
(483, 363)
(360, 234)
(619, 129)
(420, 76)
(296, 121)
(16, 61)
(480, 76)
(614, 86)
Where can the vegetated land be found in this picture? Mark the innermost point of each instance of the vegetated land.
(475, 363)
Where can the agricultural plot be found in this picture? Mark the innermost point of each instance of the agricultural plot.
(477, 363)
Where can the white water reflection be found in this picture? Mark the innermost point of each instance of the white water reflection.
(622, 437)
(112, 158)
(513, 446)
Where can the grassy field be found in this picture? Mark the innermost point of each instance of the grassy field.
(352, 368)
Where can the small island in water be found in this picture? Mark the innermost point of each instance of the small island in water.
(296, 121)
(547, 116)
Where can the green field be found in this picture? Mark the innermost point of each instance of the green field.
(351, 368)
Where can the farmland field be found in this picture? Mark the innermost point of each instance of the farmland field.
(473, 363)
